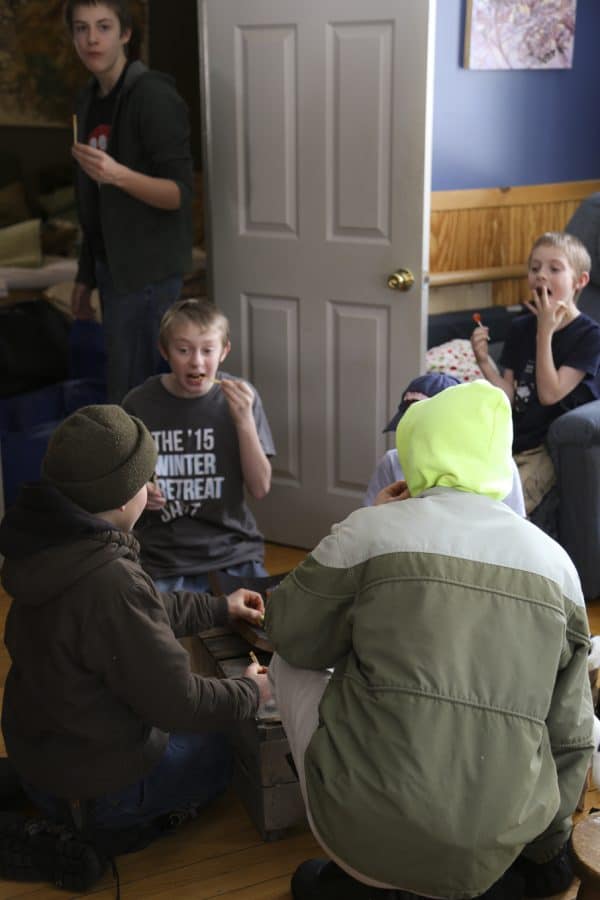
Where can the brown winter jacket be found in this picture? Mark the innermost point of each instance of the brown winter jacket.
(98, 678)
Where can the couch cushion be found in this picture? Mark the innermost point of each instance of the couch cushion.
(20, 245)
(453, 358)
(13, 204)
(585, 224)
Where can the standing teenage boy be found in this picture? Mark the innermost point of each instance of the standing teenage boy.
(214, 443)
(134, 186)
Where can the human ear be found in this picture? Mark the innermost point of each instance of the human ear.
(126, 36)
(163, 352)
(581, 282)
(225, 351)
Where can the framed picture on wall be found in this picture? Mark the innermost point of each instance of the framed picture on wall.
(530, 34)
(40, 72)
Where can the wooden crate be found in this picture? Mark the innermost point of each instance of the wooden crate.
(264, 777)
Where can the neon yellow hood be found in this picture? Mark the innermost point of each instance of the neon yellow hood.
(460, 438)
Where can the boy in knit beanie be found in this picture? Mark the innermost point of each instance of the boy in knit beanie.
(100, 702)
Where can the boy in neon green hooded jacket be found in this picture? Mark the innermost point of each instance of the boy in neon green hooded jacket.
(431, 675)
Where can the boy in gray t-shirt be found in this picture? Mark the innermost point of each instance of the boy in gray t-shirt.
(213, 441)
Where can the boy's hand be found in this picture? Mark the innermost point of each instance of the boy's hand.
(246, 605)
(259, 675)
(550, 316)
(240, 397)
(398, 490)
(81, 302)
(97, 164)
(156, 499)
(479, 342)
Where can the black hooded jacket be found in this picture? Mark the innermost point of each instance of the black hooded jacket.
(98, 678)
(150, 134)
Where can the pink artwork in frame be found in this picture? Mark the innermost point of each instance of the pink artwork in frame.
(529, 34)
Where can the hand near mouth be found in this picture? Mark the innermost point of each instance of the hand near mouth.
(240, 397)
(550, 315)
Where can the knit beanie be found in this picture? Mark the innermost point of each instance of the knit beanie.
(100, 457)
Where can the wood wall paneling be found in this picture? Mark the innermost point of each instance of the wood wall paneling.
(493, 228)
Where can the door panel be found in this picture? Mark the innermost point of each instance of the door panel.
(357, 341)
(271, 341)
(267, 88)
(317, 126)
(359, 90)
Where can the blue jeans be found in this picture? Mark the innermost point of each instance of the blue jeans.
(131, 323)
(193, 771)
(251, 569)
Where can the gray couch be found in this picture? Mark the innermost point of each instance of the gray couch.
(574, 438)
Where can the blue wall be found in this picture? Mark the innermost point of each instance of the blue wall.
(494, 129)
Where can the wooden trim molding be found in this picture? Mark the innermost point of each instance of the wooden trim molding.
(480, 198)
(477, 276)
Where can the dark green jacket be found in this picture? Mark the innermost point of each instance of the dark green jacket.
(98, 678)
(150, 134)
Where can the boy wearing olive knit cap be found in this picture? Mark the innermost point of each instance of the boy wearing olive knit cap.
(100, 703)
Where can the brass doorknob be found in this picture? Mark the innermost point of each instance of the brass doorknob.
(401, 280)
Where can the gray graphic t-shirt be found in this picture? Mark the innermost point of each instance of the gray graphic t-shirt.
(205, 523)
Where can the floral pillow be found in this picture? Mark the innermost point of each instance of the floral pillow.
(456, 358)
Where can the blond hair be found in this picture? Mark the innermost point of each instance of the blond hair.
(200, 312)
(575, 252)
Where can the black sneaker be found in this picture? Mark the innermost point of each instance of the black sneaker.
(549, 878)
(172, 820)
(321, 879)
(38, 850)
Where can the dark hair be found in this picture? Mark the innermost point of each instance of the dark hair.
(121, 9)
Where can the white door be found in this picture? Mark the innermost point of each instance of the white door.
(317, 156)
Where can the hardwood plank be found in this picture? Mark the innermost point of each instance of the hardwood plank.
(281, 559)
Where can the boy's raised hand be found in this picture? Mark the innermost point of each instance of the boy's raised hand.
(550, 315)
(246, 605)
(97, 164)
(479, 342)
(240, 397)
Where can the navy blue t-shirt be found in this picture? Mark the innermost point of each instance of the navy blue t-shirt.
(576, 345)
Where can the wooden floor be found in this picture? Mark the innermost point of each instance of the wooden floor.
(220, 854)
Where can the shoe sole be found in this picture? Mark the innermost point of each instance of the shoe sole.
(48, 855)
